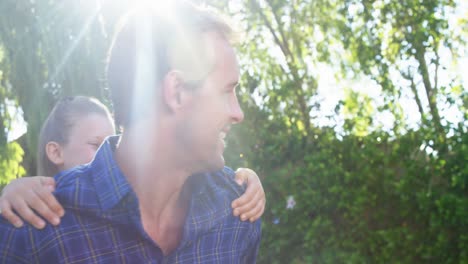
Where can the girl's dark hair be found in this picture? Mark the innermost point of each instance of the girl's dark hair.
(65, 114)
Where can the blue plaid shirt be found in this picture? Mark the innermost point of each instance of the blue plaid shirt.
(102, 223)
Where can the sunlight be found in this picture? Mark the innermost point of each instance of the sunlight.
(74, 43)
(144, 66)
(183, 52)
(130, 4)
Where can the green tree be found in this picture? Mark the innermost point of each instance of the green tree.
(11, 153)
(399, 45)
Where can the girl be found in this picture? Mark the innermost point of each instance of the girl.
(70, 136)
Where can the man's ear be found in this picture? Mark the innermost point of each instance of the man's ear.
(54, 153)
(174, 91)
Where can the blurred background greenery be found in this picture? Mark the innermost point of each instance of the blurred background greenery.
(356, 116)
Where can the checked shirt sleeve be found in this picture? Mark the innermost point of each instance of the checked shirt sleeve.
(254, 245)
(14, 244)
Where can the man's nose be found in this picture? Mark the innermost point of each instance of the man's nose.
(236, 112)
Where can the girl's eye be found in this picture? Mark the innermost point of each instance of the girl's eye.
(95, 145)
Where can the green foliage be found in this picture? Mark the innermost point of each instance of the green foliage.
(11, 156)
(372, 199)
(399, 44)
(358, 112)
(11, 153)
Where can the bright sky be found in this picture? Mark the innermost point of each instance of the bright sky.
(19, 126)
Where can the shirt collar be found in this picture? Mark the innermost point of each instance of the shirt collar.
(109, 181)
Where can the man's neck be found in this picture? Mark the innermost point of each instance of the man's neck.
(152, 169)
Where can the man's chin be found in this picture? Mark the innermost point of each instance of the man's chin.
(212, 165)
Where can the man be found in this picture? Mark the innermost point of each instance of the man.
(159, 193)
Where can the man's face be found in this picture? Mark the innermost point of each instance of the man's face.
(213, 110)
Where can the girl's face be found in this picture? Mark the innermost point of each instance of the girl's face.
(84, 139)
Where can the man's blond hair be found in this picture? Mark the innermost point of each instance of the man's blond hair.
(149, 43)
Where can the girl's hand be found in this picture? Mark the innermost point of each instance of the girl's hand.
(21, 196)
(251, 205)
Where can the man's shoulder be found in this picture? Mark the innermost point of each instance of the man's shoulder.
(210, 217)
(75, 188)
(215, 190)
(17, 245)
(212, 195)
(97, 186)
(14, 243)
(226, 188)
(68, 178)
(223, 182)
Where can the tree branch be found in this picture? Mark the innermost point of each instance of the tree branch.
(431, 94)
(408, 76)
(282, 43)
